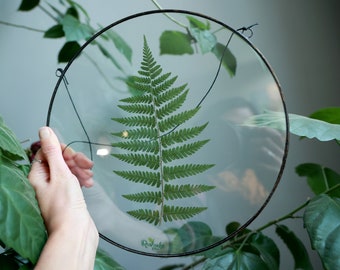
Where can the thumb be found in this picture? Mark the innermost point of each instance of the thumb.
(51, 151)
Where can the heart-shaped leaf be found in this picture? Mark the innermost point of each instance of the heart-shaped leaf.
(75, 30)
(176, 43)
(27, 5)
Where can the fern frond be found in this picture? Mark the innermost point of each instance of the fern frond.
(163, 80)
(183, 171)
(138, 145)
(169, 94)
(159, 88)
(138, 108)
(182, 151)
(140, 120)
(180, 213)
(146, 99)
(143, 177)
(155, 139)
(171, 106)
(175, 120)
(181, 135)
(145, 197)
(148, 160)
(172, 192)
(146, 215)
(136, 134)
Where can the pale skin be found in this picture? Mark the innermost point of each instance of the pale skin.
(57, 180)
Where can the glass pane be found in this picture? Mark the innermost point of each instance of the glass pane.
(175, 161)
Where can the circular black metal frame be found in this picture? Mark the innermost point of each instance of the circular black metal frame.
(245, 39)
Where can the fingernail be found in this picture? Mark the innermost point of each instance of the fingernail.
(44, 133)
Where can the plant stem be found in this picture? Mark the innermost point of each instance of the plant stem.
(49, 14)
(167, 15)
(290, 215)
(22, 27)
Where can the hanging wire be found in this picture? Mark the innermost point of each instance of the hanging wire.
(60, 73)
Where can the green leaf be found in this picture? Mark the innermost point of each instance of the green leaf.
(122, 46)
(223, 54)
(193, 236)
(27, 5)
(322, 221)
(173, 192)
(299, 125)
(152, 114)
(180, 213)
(21, 225)
(296, 247)
(235, 260)
(183, 151)
(151, 216)
(75, 30)
(104, 262)
(9, 144)
(148, 178)
(330, 115)
(107, 54)
(145, 197)
(176, 43)
(205, 39)
(148, 160)
(68, 51)
(319, 178)
(267, 250)
(55, 31)
(232, 227)
(186, 170)
(77, 7)
(181, 135)
(72, 11)
(8, 262)
(196, 23)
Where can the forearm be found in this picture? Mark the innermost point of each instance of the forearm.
(70, 248)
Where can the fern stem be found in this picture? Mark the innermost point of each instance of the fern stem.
(161, 170)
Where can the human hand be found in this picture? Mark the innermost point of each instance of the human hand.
(69, 225)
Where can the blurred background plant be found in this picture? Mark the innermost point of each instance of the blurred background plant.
(22, 233)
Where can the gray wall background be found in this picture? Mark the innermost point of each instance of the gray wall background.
(300, 39)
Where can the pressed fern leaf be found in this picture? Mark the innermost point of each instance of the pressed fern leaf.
(148, 178)
(145, 197)
(154, 139)
(181, 135)
(179, 213)
(182, 171)
(138, 133)
(172, 192)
